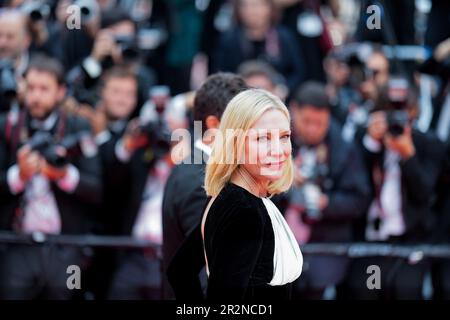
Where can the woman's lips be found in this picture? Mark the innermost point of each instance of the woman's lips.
(275, 165)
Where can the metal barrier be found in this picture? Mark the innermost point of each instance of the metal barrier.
(352, 250)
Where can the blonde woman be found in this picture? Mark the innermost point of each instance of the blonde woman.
(248, 248)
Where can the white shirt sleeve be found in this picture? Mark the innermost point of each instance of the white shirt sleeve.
(121, 153)
(102, 137)
(92, 67)
(70, 181)
(371, 144)
(16, 185)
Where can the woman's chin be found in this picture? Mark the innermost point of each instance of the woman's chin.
(271, 174)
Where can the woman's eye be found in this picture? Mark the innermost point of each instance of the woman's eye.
(286, 137)
(262, 138)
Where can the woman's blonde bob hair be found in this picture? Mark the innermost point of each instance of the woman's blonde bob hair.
(239, 116)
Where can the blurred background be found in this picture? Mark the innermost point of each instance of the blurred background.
(367, 83)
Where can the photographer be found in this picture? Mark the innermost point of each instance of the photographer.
(368, 75)
(331, 188)
(138, 154)
(258, 35)
(42, 27)
(15, 41)
(109, 122)
(114, 44)
(49, 181)
(404, 165)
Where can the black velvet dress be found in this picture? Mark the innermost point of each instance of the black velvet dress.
(239, 244)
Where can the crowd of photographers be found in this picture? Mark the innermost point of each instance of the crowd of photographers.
(90, 92)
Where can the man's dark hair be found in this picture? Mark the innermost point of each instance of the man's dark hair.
(312, 94)
(119, 71)
(257, 67)
(113, 16)
(47, 64)
(213, 96)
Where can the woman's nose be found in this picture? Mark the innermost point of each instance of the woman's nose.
(276, 148)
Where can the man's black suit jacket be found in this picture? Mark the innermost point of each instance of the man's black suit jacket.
(184, 200)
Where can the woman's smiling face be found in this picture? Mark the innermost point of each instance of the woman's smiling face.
(268, 146)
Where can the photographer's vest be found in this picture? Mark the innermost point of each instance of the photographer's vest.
(37, 210)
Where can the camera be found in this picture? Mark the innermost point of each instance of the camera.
(308, 194)
(158, 136)
(36, 10)
(44, 143)
(397, 104)
(128, 46)
(397, 120)
(89, 10)
(354, 56)
(8, 84)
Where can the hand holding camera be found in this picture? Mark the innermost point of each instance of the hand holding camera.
(393, 130)
(134, 137)
(42, 154)
(104, 45)
(403, 143)
(29, 163)
(307, 193)
(55, 173)
(391, 125)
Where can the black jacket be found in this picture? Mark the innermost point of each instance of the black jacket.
(441, 207)
(75, 208)
(184, 199)
(116, 187)
(239, 244)
(234, 48)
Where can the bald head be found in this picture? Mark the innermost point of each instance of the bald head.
(14, 35)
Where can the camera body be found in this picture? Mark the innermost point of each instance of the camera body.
(128, 46)
(308, 194)
(397, 120)
(44, 143)
(354, 56)
(158, 136)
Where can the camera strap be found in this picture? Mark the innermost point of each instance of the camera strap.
(17, 132)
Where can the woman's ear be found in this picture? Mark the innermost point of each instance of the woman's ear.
(212, 122)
